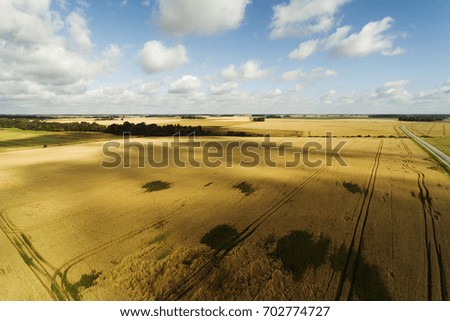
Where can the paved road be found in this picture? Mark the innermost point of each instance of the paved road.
(433, 150)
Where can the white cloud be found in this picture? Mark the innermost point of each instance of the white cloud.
(203, 17)
(305, 49)
(395, 84)
(304, 17)
(155, 57)
(149, 88)
(79, 31)
(394, 90)
(308, 77)
(36, 56)
(249, 70)
(28, 21)
(371, 39)
(185, 84)
(224, 88)
(146, 3)
(275, 92)
(230, 73)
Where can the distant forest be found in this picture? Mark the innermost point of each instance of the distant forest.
(427, 118)
(142, 129)
(36, 124)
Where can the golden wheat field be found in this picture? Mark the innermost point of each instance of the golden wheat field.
(375, 229)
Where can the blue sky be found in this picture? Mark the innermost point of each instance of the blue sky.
(224, 56)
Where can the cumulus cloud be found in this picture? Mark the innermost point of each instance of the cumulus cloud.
(304, 17)
(28, 22)
(305, 49)
(185, 84)
(79, 31)
(203, 17)
(155, 57)
(249, 70)
(230, 73)
(37, 57)
(373, 38)
(310, 76)
(275, 92)
(223, 88)
(394, 90)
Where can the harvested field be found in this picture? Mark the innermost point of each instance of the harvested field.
(373, 230)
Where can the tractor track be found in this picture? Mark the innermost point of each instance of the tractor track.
(33, 259)
(399, 134)
(345, 290)
(431, 128)
(436, 276)
(63, 270)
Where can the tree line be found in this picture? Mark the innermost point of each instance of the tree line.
(36, 124)
(412, 117)
(141, 129)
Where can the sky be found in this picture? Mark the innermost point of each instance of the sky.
(224, 56)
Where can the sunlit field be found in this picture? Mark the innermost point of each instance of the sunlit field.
(374, 229)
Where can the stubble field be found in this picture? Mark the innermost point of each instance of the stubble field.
(373, 230)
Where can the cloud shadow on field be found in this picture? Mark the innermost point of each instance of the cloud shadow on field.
(156, 186)
(56, 139)
(220, 237)
(298, 251)
(246, 188)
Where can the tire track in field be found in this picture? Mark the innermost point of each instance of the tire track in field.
(63, 270)
(436, 272)
(417, 131)
(51, 222)
(33, 259)
(431, 128)
(345, 289)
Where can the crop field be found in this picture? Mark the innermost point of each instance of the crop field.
(437, 134)
(277, 127)
(17, 139)
(374, 228)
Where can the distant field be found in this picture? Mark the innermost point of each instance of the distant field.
(442, 143)
(291, 127)
(436, 133)
(14, 139)
(431, 129)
